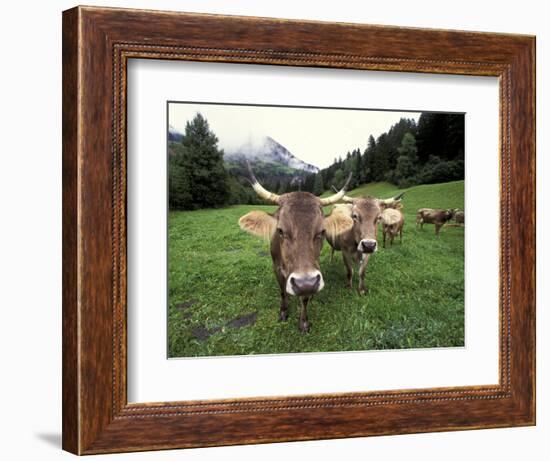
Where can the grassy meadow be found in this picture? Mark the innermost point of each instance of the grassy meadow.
(224, 298)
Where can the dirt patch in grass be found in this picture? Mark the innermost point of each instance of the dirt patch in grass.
(202, 333)
(184, 306)
(243, 320)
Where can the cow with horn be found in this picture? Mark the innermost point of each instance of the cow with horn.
(296, 231)
(360, 241)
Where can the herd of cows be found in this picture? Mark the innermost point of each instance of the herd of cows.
(297, 229)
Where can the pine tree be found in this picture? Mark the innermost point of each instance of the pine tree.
(338, 180)
(358, 174)
(408, 147)
(318, 187)
(368, 157)
(440, 135)
(407, 162)
(203, 163)
(310, 181)
(179, 195)
(454, 137)
(380, 158)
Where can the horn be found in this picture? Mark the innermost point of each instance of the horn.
(336, 197)
(259, 189)
(392, 200)
(345, 198)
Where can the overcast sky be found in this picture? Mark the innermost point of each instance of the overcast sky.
(315, 136)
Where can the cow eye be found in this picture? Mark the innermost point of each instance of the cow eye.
(355, 217)
(280, 232)
(320, 235)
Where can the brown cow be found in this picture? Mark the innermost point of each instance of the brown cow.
(436, 217)
(459, 216)
(392, 224)
(359, 242)
(296, 232)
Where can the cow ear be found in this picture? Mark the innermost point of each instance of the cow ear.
(338, 221)
(258, 223)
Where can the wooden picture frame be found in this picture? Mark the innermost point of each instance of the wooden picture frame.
(97, 44)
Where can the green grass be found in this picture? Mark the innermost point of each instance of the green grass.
(218, 274)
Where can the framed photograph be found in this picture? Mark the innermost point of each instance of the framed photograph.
(281, 230)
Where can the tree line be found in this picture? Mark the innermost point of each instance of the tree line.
(409, 153)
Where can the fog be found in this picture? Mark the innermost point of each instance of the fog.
(314, 135)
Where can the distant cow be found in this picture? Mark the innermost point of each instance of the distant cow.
(392, 224)
(358, 242)
(459, 216)
(436, 217)
(296, 231)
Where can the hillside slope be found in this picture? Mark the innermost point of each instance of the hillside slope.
(445, 195)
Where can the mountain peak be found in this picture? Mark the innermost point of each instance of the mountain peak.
(174, 134)
(267, 149)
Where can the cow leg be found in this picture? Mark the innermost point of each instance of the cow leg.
(362, 268)
(349, 268)
(283, 312)
(437, 229)
(331, 253)
(281, 280)
(401, 235)
(384, 235)
(303, 324)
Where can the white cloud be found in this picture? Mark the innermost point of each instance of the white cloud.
(314, 135)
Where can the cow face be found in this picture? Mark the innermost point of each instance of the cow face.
(365, 213)
(296, 232)
(297, 242)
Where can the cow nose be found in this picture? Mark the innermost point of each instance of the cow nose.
(367, 246)
(305, 284)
